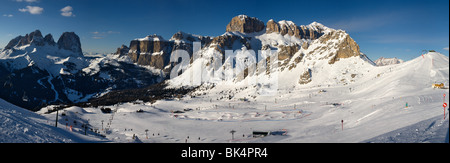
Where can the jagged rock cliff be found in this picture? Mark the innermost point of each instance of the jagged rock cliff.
(59, 73)
(245, 24)
(36, 71)
(70, 41)
(284, 27)
(293, 43)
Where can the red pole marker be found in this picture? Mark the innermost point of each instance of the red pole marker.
(444, 97)
(444, 105)
(342, 121)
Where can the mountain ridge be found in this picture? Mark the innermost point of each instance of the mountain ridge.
(242, 53)
(36, 71)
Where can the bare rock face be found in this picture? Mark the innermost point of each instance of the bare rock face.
(222, 43)
(123, 50)
(49, 40)
(290, 28)
(312, 31)
(387, 61)
(347, 47)
(305, 78)
(287, 51)
(272, 27)
(34, 37)
(152, 50)
(155, 51)
(70, 41)
(245, 24)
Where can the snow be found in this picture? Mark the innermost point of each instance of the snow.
(387, 61)
(242, 17)
(320, 27)
(428, 131)
(49, 58)
(49, 80)
(369, 99)
(275, 39)
(153, 37)
(373, 111)
(288, 24)
(23, 126)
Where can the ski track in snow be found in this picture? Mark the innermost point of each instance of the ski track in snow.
(373, 111)
(428, 131)
(49, 80)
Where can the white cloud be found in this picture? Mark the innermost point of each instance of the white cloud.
(35, 10)
(67, 11)
(29, 1)
(102, 35)
(8, 15)
(446, 48)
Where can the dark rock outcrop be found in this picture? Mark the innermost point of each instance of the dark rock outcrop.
(245, 24)
(272, 27)
(69, 79)
(152, 50)
(70, 41)
(346, 48)
(34, 37)
(312, 32)
(49, 40)
(123, 50)
(155, 51)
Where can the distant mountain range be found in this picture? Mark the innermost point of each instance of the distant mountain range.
(387, 61)
(36, 71)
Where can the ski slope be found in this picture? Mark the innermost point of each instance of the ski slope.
(373, 109)
(23, 126)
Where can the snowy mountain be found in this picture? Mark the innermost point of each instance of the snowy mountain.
(36, 71)
(388, 61)
(44, 53)
(301, 83)
(308, 55)
(249, 50)
(371, 109)
(23, 126)
(301, 51)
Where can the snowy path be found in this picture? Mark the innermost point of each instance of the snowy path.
(433, 130)
(23, 126)
(373, 111)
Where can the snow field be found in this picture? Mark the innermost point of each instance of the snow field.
(373, 105)
(373, 109)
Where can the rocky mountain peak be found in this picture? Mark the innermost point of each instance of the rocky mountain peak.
(70, 41)
(387, 61)
(123, 50)
(283, 27)
(49, 39)
(153, 37)
(34, 37)
(186, 37)
(245, 24)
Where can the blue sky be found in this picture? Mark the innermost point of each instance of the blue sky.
(389, 28)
